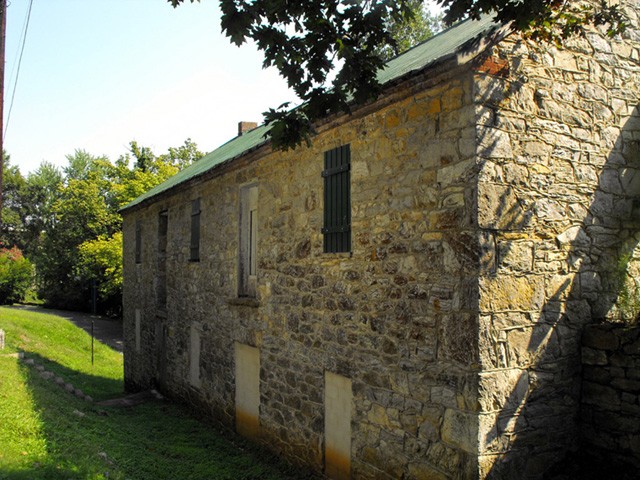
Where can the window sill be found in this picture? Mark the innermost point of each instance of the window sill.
(244, 302)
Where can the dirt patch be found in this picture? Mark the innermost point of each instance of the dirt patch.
(131, 400)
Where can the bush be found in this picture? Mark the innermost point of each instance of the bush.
(16, 273)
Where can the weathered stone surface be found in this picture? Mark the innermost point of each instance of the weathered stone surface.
(488, 217)
(554, 195)
(600, 339)
(460, 429)
(611, 420)
(509, 293)
(592, 356)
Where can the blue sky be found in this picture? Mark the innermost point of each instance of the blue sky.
(97, 74)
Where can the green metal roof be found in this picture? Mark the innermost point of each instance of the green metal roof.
(435, 49)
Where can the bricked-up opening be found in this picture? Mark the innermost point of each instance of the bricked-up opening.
(194, 255)
(161, 277)
(337, 200)
(337, 426)
(138, 241)
(247, 361)
(247, 261)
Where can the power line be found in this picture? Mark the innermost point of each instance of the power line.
(15, 84)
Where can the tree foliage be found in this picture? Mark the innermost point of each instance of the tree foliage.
(16, 274)
(67, 222)
(310, 42)
(412, 30)
(100, 259)
(13, 207)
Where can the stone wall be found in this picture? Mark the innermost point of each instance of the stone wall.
(610, 408)
(395, 317)
(494, 214)
(558, 141)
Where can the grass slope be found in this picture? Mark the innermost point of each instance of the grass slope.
(46, 433)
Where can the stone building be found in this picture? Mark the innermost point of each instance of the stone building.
(404, 298)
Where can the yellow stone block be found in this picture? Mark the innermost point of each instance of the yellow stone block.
(431, 236)
(452, 99)
(392, 120)
(378, 415)
(511, 293)
(434, 106)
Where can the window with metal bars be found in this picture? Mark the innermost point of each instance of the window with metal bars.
(337, 200)
(195, 231)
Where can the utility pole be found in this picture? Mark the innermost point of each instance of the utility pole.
(3, 37)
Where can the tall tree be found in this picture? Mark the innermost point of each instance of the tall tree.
(42, 191)
(411, 30)
(75, 225)
(82, 212)
(303, 39)
(12, 227)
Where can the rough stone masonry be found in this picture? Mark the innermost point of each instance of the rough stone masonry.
(493, 203)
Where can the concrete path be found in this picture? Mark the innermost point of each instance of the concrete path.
(106, 330)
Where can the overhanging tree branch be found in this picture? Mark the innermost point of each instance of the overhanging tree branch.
(304, 38)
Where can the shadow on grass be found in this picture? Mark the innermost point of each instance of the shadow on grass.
(154, 440)
(98, 387)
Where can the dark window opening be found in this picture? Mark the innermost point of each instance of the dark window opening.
(138, 241)
(161, 285)
(194, 255)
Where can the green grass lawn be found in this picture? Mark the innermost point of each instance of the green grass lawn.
(46, 433)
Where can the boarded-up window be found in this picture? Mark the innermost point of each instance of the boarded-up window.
(194, 356)
(195, 231)
(337, 426)
(138, 241)
(247, 261)
(337, 200)
(247, 389)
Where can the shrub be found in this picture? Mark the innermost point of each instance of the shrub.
(16, 273)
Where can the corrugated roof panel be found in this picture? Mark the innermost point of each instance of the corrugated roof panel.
(436, 48)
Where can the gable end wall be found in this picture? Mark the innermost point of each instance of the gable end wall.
(557, 196)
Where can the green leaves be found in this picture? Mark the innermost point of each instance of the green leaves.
(303, 39)
(101, 259)
(16, 274)
(67, 221)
